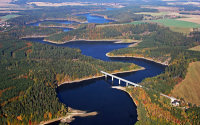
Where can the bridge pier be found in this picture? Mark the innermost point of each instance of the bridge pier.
(120, 79)
(106, 77)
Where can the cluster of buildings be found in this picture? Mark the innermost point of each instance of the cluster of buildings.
(4, 24)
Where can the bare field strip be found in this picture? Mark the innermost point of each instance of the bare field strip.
(163, 8)
(196, 48)
(191, 19)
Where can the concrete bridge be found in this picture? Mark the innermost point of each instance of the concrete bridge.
(120, 79)
(136, 85)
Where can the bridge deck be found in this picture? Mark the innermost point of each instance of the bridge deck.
(124, 80)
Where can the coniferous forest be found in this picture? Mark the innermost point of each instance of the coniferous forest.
(30, 72)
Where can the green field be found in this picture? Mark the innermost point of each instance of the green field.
(190, 86)
(136, 22)
(154, 14)
(7, 17)
(176, 23)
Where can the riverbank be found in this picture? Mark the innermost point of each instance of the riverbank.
(57, 19)
(58, 26)
(95, 40)
(34, 36)
(105, 17)
(166, 63)
(69, 117)
(95, 77)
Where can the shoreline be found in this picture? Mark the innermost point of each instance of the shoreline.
(96, 77)
(56, 19)
(104, 16)
(36, 36)
(148, 59)
(54, 26)
(70, 116)
(95, 40)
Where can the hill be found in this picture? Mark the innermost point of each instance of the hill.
(196, 48)
(189, 87)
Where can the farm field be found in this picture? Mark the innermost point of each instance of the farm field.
(181, 29)
(157, 13)
(176, 23)
(136, 22)
(189, 87)
(7, 17)
(196, 48)
(191, 18)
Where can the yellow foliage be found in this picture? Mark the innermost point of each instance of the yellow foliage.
(50, 115)
(19, 118)
(45, 115)
(8, 122)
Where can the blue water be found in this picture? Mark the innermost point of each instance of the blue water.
(53, 21)
(90, 19)
(113, 106)
(95, 19)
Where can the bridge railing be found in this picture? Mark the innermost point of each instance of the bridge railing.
(120, 79)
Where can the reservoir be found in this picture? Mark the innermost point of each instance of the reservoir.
(90, 19)
(114, 107)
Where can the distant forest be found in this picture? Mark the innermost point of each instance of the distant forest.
(96, 1)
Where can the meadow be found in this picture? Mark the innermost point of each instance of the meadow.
(7, 17)
(189, 87)
(196, 48)
(154, 14)
(176, 23)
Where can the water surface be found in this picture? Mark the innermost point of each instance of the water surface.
(90, 19)
(95, 19)
(113, 106)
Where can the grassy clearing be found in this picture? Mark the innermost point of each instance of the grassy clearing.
(109, 25)
(154, 14)
(7, 17)
(137, 22)
(190, 86)
(191, 19)
(176, 23)
(181, 29)
(196, 48)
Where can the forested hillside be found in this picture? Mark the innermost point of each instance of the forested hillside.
(98, 32)
(155, 109)
(164, 45)
(32, 31)
(126, 14)
(51, 13)
(30, 73)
